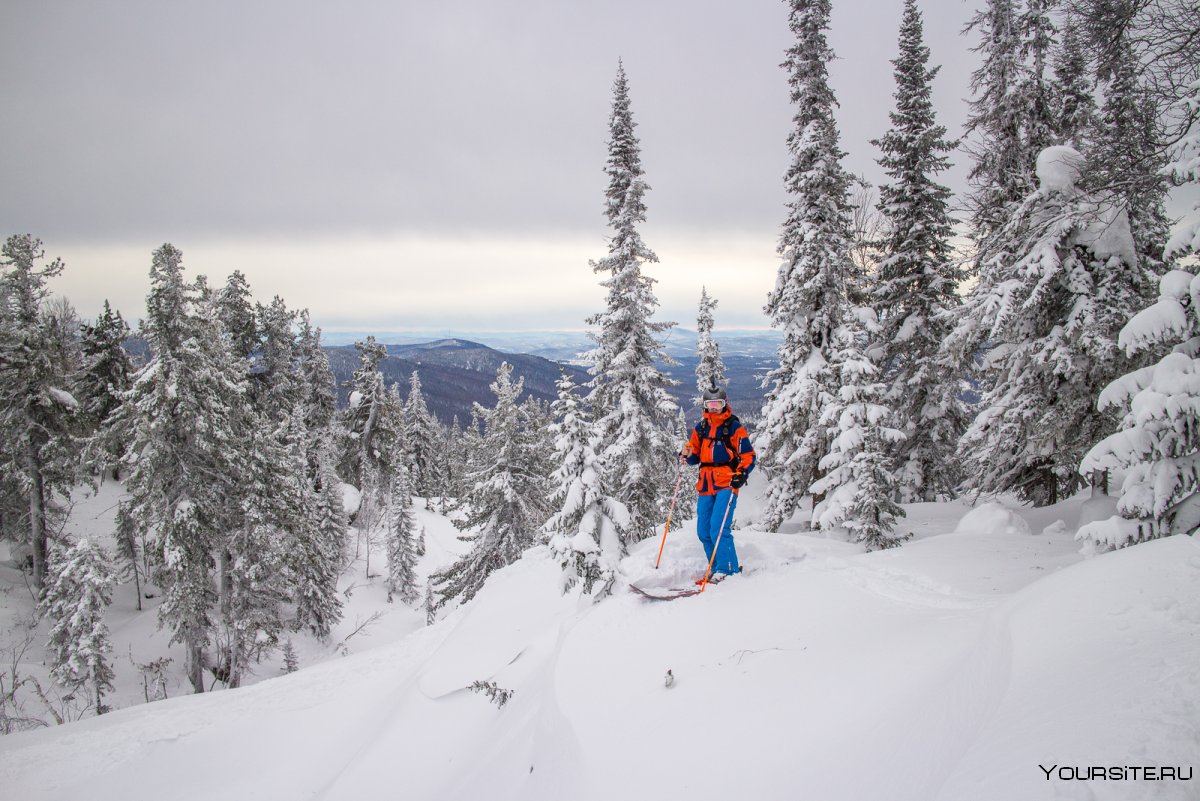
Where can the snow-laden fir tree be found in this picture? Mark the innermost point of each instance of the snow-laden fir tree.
(585, 529)
(634, 412)
(107, 367)
(364, 415)
(507, 500)
(1128, 159)
(1159, 440)
(257, 510)
(317, 528)
(186, 452)
(235, 307)
(1074, 102)
(78, 591)
(129, 551)
(401, 540)
(710, 370)
(1052, 321)
(811, 289)
(317, 382)
(421, 442)
(38, 415)
(916, 281)
(1185, 169)
(1009, 121)
(857, 486)
(276, 388)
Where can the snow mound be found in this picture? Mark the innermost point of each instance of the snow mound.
(992, 518)
(1059, 168)
(351, 499)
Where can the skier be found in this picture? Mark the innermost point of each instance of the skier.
(721, 446)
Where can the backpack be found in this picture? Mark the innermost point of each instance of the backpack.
(725, 436)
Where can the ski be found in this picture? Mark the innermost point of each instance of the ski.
(665, 593)
(671, 593)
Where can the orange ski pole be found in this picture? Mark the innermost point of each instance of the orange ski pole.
(720, 533)
(670, 511)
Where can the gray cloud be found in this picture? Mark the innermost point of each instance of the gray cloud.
(177, 120)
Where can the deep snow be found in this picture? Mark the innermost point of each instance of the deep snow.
(950, 668)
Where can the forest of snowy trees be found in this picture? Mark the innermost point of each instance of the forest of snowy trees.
(1058, 292)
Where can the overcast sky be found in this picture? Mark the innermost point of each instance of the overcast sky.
(431, 165)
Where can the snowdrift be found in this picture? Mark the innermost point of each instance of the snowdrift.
(948, 669)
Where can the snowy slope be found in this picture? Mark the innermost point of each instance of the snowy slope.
(947, 669)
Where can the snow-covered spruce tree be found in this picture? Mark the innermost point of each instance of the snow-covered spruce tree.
(710, 370)
(450, 463)
(317, 382)
(78, 591)
(537, 421)
(401, 540)
(585, 530)
(315, 528)
(634, 411)
(361, 418)
(1128, 160)
(1009, 121)
(1159, 440)
(810, 295)
(857, 486)
(235, 307)
(129, 551)
(275, 387)
(38, 416)
(420, 441)
(107, 368)
(1052, 322)
(1074, 101)
(916, 281)
(507, 499)
(186, 452)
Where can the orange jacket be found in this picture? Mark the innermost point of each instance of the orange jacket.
(713, 455)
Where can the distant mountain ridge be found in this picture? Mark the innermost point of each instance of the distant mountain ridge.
(455, 373)
(565, 346)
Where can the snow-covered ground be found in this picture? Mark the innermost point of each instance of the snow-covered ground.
(963, 666)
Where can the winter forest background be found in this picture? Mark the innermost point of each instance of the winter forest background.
(1034, 339)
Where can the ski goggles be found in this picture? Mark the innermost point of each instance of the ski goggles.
(714, 405)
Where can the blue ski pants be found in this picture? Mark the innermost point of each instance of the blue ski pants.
(710, 510)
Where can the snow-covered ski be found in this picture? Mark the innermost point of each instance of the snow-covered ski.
(671, 593)
(664, 593)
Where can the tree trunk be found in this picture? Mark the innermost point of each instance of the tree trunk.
(195, 665)
(37, 515)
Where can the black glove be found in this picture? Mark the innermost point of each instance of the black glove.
(738, 480)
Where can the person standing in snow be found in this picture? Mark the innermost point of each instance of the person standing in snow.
(721, 446)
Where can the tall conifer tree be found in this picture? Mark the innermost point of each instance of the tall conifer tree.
(917, 279)
(38, 416)
(634, 411)
(585, 529)
(186, 454)
(811, 290)
(77, 596)
(710, 370)
(507, 502)
(1052, 324)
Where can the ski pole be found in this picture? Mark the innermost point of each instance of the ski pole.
(670, 510)
(717, 544)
